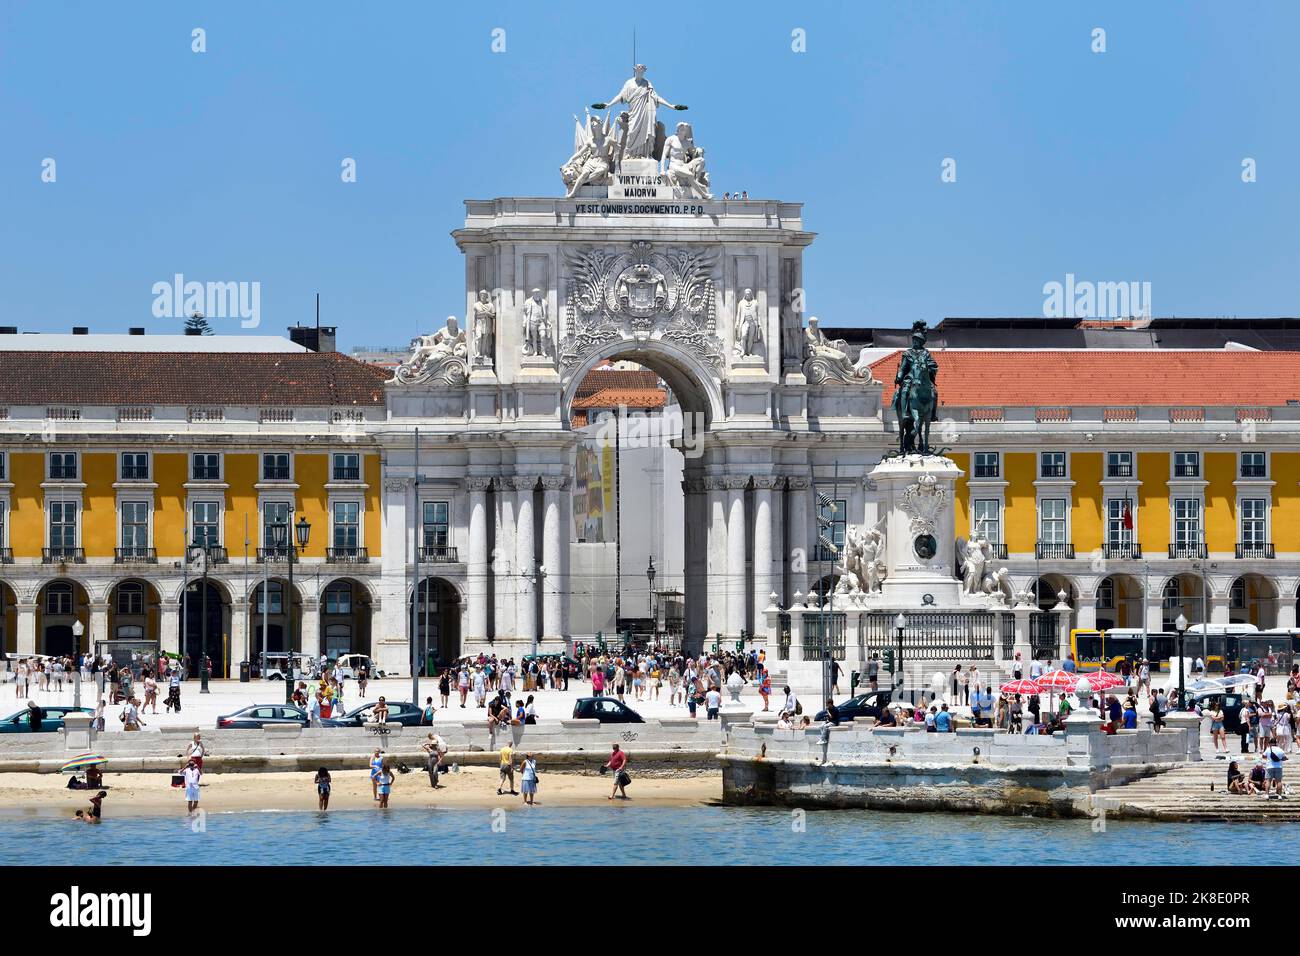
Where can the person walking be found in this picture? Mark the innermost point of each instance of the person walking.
(444, 686)
(528, 785)
(322, 781)
(192, 775)
(426, 715)
(617, 762)
(507, 770)
(433, 748)
(376, 768)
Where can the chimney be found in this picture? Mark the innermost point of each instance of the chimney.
(136, 330)
(318, 338)
(80, 330)
(8, 330)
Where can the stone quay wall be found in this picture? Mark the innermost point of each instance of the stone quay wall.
(564, 743)
(976, 770)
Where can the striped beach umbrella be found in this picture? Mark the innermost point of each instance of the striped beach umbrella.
(82, 761)
(1104, 680)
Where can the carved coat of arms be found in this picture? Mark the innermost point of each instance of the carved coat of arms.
(923, 501)
(639, 294)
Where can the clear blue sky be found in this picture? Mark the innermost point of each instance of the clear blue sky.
(225, 165)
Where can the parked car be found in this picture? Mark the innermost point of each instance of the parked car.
(259, 715)
(867, 706)
(19, 722)
(605, 709)
(399, 712)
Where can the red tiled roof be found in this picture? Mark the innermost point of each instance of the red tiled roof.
(994, 377)
(599, 378)
(189, 378)
(624, 397)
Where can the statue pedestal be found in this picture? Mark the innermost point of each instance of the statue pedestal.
(920, 547)
(537, 367)
(639, 179)
(749, 366)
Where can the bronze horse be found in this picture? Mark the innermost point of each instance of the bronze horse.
(917, 405)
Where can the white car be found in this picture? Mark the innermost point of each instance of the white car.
(349, 665)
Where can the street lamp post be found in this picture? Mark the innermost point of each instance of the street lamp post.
(302, 533)
(202, 548)
(77, 630)
(1180, 625)
(900, 624)
(650, 599)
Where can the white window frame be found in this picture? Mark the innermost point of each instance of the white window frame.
(221, 466)
(1200, 520)
(361, 467)
(1132, 465)
(1266, 519)
(262, 507)
(148, 521)
(148, 465)
(997, 457)
(1065, 460)
(333, 512)
(261, 466)
(74, 500)
(221, 516)
(1065, 520)
(1173, 465)
(975, 525)
(49, 465)
(1127, 537)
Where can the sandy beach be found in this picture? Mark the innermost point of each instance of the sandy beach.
(150, 794)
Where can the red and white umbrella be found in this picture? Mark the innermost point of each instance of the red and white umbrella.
(1058, 680)
(1025, 687)
(1104, 680)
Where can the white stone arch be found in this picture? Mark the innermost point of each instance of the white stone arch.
(695, 386)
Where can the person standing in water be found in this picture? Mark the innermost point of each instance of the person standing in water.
(322, 781)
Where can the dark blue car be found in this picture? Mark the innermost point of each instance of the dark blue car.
(20, 721)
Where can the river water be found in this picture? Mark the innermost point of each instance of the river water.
(628, 835)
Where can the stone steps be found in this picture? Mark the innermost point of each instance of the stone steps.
(1183, 793)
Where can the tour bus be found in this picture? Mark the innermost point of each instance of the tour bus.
(1095, 649)
(1222, 644)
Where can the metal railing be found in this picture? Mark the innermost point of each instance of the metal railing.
(933, 636)
(439, 554)
(1008, 636)
(6, 555)
(135, 555)
(1048, 551)
(347, 472)
(349, 555)
(783, 637)
(1193, 551)
(274, 555)
(1123, 551)
(1044, 634)
(1121, 470)
(1255, 549)
(63, 555)
(814, 625)
(1051, 470)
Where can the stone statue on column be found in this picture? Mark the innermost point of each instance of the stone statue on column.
(643, 103)
(536, 326)
(747, 332)
(483, 323)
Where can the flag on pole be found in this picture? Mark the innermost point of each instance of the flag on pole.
(1128, 516)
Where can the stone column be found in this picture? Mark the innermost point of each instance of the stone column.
(695, 551)
(309, 625)
(98, 630)
(796, 629)
(796, 548)
(778, 540)
(26, 628)
(503, 559)
(763, 584)
(476, 563)
(566, 557)
(717, 557)
(1219, 611)
(239, 650)
(1286, 616)
(169, 613)
(737, 598)
(1088, 612)
(555, 582)
(525, 560)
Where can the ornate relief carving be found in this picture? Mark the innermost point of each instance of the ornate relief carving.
(554, 482)
(437, 359)
(477, 483)
(396, 484)
(639, 295)
(923, 501)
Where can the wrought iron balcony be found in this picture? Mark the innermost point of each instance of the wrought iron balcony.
(63, 555)
(347, 473)
(273, 555)
(1255, 549)
(1124, 551)
(1121, 470)
(135, 555)
(438, 554)
(1046, 551)
(351, 555)
(999, 551)
(1187, 470)
(6, 555)
(1051, 470)
(1195, 552)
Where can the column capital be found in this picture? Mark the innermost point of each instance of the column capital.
(694, 486)
(477, 483)
(799, 482)
(522, 482)
(765, 482)
(736, 482)
(715, 483)
(397, 484)
(555, 482)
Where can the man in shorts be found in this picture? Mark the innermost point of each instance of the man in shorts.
(507, 770)
(1274, 756)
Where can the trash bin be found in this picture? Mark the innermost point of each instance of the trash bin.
(245, 670)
